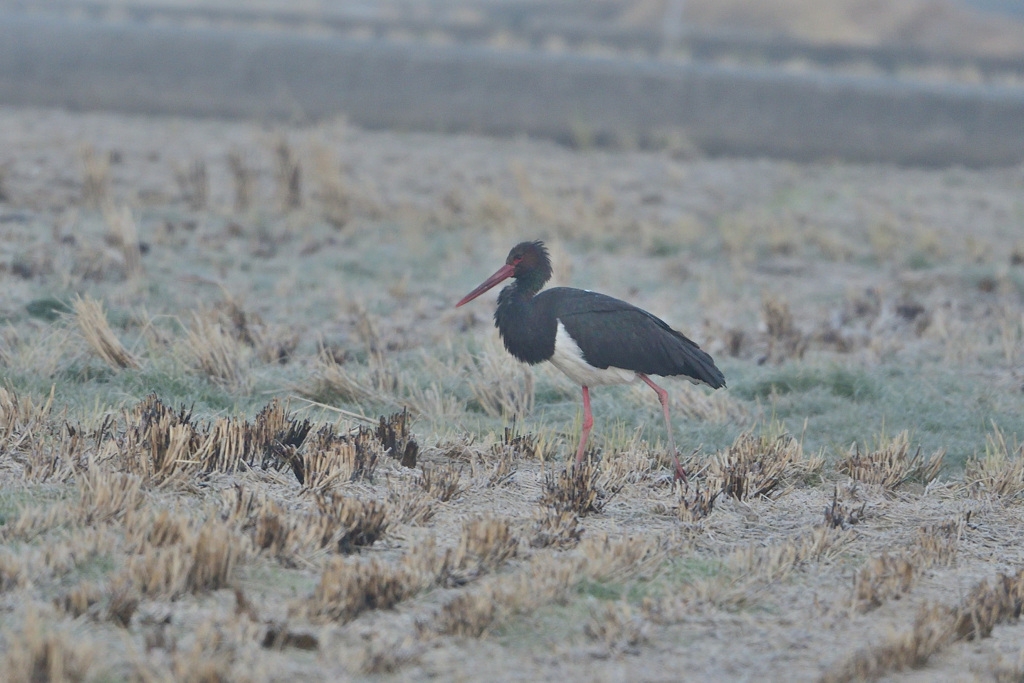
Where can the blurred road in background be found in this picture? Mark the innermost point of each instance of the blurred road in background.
(921, 82)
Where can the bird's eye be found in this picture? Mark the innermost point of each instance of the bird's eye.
(516, 261)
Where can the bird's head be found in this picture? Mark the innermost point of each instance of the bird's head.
(528, 263)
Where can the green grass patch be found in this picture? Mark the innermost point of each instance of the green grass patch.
(847, 383)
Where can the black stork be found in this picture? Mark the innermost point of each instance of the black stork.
(592, 338)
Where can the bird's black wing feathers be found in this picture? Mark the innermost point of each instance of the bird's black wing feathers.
(613, 333)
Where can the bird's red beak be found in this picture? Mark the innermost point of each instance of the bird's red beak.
(504, 273)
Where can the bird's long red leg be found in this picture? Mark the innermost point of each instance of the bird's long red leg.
(663, 397)
(588, 422)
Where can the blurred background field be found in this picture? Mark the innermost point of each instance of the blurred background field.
(869, 318)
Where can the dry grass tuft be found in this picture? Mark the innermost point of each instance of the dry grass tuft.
(756, 465)
(95, 177)
(338, 523)
(501, 388)
(484, 546)
(244, 179)
(194, 184)
(288, 175)
(23, 422)
(512, 447)
(348, 588)
(838, 515)
(377, 383)
(80, 599)
(778, 560)
(469, 615)
(217, 647)
(785, 341)
(936, 627)
(890, 463)
(92, 321)
(630, 460)
(556, 528)
(215, 552)
(988, 605)
(693, 509)
(37, 652)
(1000, 471)
(909, 649)
(15, 570)
(326, 458)
(616, 559)
(717, 408)
(883, 578)
(269, 344)
(575, 489)
(393, 434)
(333, 192)
(164, 446)
(503, 471)
(176, 557)
(385, 654)
(518, 445)
(107, 495)
(938, 544)
(125, 233)
(216, 353)
(411, 505)
(124, 600)
(442, 482)
(474, 612)
(356, 523)
(618, 628)
(159, 445)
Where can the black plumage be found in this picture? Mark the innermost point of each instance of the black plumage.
(608, 332)
(613, 333)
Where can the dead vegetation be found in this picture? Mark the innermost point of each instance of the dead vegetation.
(95, 177)
(757, 465)
(692, 508)
(938, 626)
(39, 652)
(575, 490)
(484, 546)
(336, 523)
(556, 527)
(194, 184)
(498, 571)
(890, 463)
(92, 323)
(209, 533)
(500, 388)
(244, 179)
(376, 383)
(202, 558)
(619, 627)
(1000, 471)
(124, 233)
(785, 340)
(216, 353)
(884, 578)
(349, 587)
(288, 175)
(442, 482)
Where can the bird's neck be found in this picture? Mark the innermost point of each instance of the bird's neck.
(524, 331)
(515, 303)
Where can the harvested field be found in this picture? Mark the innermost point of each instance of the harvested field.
(244, 434)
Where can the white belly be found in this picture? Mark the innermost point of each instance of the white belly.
(569, 359)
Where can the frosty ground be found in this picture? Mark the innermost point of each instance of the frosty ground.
(181, 296)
